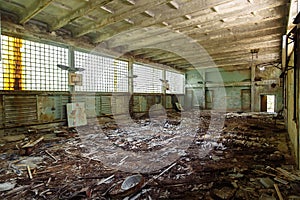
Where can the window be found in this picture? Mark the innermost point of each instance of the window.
(101, 74)
(176, 82)
(28, 65)
(147, 80)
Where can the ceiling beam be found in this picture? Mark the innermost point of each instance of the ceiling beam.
(220, 56)
(168, 37)
(80, 12)
(248, 37)
(184, 47)
(262, 45)
(186, 8)
(252, 13)
(119, 16)
(35, 8)
(135, 36)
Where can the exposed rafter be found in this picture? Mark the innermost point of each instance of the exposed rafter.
(84, 10)
(34, 9)
(187, 8)
(138, 9)
(177, 33)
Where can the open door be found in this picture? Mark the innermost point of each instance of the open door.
(267, 103)
(263, 103)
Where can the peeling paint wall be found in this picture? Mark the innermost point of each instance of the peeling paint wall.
(291, 123)
(233, 87)
(219, 86)
(267, 82)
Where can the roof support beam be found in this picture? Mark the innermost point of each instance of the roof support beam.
(119, 17)
(84, 10)
(187, 8)
(33, 10)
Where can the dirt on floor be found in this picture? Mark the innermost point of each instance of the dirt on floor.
(191, 155)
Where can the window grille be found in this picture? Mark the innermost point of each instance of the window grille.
(28, 65)
(101, 74)
(176, 82)
(147, 80)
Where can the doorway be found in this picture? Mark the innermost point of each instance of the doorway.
(267, 103)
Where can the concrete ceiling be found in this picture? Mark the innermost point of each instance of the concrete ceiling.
(184, 34)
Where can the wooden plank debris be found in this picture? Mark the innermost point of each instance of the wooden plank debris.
(29, 172)
(278, 192)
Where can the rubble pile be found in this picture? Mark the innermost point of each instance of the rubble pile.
(229, 156)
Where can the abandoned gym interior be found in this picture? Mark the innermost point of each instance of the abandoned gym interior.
(142, 100)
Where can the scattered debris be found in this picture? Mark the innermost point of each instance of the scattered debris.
(278, 192)
(247, 158)
(129, 186)
(6, 186)
(30, 145)
(267, 182)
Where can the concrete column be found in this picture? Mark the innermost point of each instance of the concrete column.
(203, 88)
(252, 86)
(164, 103)
(71, 63)
(130, 75)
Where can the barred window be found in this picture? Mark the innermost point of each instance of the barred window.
(28, 65)
(148, 79)
(176, 82)
(101, 74)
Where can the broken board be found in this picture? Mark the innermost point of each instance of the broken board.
(76, 114)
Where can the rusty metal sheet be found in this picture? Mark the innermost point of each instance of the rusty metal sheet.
(1, 112)
(120, 104)
(106, 105)
(19, 110)
(169, 102)
(46, 108)
(90, 106)
(98, 105)
(140, 104)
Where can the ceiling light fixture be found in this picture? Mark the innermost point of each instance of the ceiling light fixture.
(132, 2)
(129, 21)
(70, 69)
(215, 9)
(165, 23)
(188, 16)
(107, 9)
(149, 13)
(174, 4)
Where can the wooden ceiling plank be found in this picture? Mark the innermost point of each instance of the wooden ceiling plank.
(188, 7)
(134, 36)
(210, 18)
(260, 45)
(119, 17)
(251, 36)
(33, 10)
(80, 12)
(237, 28)
(170, 37)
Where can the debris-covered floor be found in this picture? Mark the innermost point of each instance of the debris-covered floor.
(235, 156)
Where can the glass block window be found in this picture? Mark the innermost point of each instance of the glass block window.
(28, 65)
(147, 80)
(176, 82)
(101, 74)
